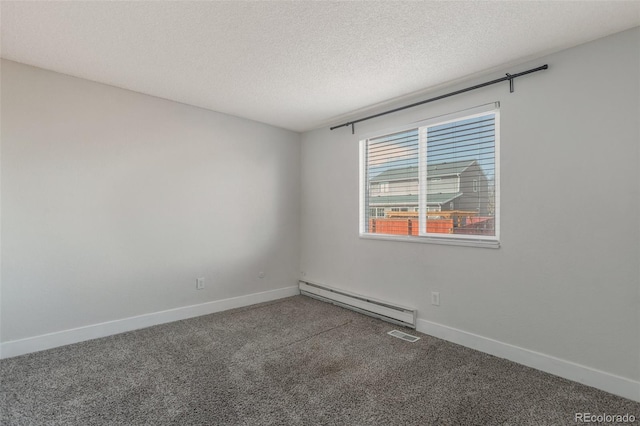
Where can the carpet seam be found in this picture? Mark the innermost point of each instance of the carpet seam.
(309, 337)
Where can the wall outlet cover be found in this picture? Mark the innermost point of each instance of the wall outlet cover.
(200, 283)
(435, 298)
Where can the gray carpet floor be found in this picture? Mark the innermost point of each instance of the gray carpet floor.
(295, 361)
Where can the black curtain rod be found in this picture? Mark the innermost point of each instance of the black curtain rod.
(509, 77)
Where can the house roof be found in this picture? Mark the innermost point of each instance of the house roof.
(404, 200)
(447, 169)
(433, 170)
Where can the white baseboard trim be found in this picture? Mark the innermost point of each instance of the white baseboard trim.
(66, 337)
(608, 382)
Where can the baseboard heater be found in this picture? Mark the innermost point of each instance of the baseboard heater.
(388, 312)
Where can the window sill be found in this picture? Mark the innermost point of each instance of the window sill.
(493, 244)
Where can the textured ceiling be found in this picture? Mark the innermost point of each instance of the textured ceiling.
(297, 65)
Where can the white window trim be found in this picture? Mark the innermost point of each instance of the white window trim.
(363, 181)
(431, 238)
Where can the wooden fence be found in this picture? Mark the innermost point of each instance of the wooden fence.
(397, 226)
(409, 226)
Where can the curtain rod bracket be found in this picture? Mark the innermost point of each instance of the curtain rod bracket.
(353, 128)
(510, 77)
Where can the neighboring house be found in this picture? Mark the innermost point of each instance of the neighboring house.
(460, 186)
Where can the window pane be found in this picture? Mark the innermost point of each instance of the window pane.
(392, 184)
(460, 177)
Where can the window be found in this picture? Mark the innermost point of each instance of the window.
(453, 162)
(376, 212)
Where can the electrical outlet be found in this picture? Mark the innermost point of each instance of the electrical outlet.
(200, 283)
(435, 298)
(261, 274)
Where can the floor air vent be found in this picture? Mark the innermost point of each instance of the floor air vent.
(386, 311)
(403, 336)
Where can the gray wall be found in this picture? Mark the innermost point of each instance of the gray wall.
(443, 184)
(114, 202)
(471, 200)
(566, 279)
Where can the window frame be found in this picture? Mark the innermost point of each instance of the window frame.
(492, 241)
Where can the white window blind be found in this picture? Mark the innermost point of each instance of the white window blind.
(435, 181)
